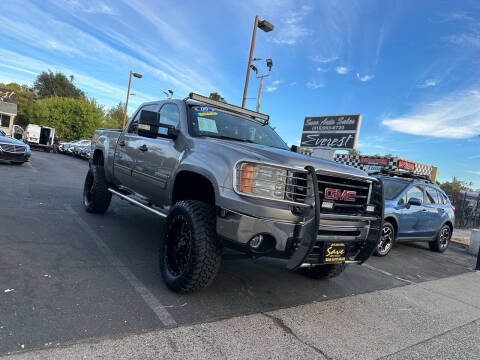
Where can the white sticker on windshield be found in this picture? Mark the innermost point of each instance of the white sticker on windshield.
(207, 125)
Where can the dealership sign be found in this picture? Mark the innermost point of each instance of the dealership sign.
(406, 165)
(331, 132)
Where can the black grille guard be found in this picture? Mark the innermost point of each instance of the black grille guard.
(311, 227)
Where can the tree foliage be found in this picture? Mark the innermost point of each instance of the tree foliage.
(216, 96)
(71, 118)
(353, 152)
(49, 84)
(455, 185)
(114, 117)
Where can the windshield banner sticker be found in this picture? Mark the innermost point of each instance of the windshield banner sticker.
(204, 111)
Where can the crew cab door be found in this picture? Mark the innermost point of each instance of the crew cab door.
(157, 159)
(126, 150)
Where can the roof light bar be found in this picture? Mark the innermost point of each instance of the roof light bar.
(226, 106)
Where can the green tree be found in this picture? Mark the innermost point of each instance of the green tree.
(114, 117)
(71, 118)
(49, 84)
(216, 96)
(25, 96)
(455, 185)
(353, 152)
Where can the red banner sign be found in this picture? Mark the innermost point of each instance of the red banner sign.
(402, 164)
(373, 160)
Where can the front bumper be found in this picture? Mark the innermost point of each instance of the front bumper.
(304, 242)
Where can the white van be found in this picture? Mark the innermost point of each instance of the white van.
(39, 136)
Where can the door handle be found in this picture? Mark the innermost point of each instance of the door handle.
(143, 148)
(424, 209)
(121, 143)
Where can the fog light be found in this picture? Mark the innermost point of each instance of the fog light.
(256, 241)
(370, 208)
(327, 205)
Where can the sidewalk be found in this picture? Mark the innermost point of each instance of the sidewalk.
(461, 236)
(432, 320)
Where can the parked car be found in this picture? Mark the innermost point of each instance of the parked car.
(222, 177)
(79, 146)
(415, 210)
(40, 137)
(13, 150)
(64, 147)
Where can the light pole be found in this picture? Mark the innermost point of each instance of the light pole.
(261, 77)
(137, 75)
(265, 26)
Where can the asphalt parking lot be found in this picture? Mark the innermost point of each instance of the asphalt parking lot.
(75, 275)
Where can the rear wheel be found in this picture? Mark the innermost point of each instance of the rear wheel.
(323, 271)
(190, 256)
(386, 240)
(440, 244)
(96, 197)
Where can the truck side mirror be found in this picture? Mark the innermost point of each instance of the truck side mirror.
(148, 123)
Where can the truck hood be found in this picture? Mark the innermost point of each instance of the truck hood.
(247, 151)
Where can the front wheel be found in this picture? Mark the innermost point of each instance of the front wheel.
(190, 255)
(386, 240)
(96, 197)
(440, 244)
(323, 271)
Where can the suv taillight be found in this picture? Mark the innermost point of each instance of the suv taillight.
(453, 208)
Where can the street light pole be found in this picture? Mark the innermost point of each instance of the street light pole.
(137, 75)
(126, 101)
(252, 46)
(260, 90)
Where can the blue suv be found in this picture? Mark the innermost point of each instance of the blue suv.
(415, 210)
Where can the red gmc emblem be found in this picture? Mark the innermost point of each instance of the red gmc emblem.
(337, 194)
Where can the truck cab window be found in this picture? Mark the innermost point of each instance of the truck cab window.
(133, 127)
(169, 115)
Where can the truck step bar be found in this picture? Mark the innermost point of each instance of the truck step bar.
(138, 203)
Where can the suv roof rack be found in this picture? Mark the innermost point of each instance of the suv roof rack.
(404, 174)
(233, 108)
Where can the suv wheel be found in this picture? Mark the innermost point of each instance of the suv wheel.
(323, 271)
(96, 197)
(440, 244)
(190, 256)
(387, 239)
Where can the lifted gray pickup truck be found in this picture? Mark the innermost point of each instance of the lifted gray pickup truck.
(222, 177)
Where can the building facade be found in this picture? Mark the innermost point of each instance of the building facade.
(8, 109)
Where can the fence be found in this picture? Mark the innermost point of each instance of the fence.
(467, 208)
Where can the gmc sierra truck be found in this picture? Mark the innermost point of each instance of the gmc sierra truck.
(222, 177)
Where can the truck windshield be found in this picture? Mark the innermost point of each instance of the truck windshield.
(392, 188)
(205, 121)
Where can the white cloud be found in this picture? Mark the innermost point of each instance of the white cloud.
(324, 60)
(271, 88)
(88, 6)
(455, 116)
(276, 82)
(293, 83)
(472, 40)
(293, 28)
(476, 172)
(342, 70)
(320, 69)
(428, 83)
(364, 78)
(314, 85)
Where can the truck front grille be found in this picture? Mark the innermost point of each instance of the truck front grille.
(338, 195)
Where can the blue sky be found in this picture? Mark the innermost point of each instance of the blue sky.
(410, 67)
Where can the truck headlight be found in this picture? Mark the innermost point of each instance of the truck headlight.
(261, 180)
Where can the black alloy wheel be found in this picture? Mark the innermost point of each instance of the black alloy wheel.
(178, 246)
(441, 242)
(387, 239)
